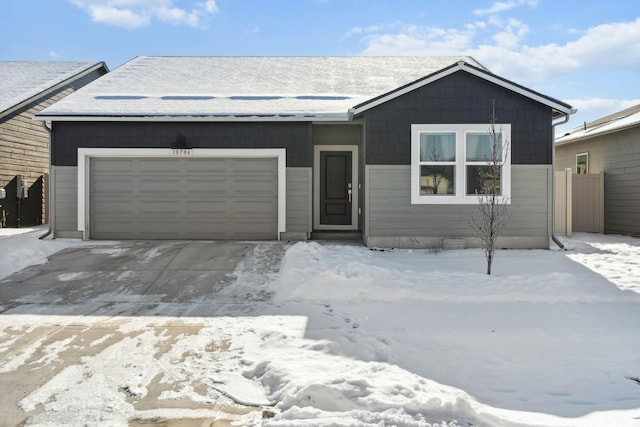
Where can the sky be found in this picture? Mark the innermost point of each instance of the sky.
(585, 53)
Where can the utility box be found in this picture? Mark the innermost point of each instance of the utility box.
(23, 188)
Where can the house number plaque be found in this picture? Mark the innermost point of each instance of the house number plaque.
(181, 151)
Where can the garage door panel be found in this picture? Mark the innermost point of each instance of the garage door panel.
(183, 198)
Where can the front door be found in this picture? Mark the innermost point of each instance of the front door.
(336, 187)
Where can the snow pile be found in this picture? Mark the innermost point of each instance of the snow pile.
(20, 248)
(341, 335)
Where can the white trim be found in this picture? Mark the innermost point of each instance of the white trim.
(329, 117)
(462, 66)
(584, 153)
(354, 184)
(460, 197)
(86, 154)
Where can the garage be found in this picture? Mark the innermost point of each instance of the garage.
(182, 198)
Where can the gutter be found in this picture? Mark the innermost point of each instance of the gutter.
(50, 189)
(553, 177)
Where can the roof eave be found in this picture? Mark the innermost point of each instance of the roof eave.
(594, 135)
(244, 117)
(53, 88)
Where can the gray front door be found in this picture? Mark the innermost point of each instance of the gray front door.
(335, 187)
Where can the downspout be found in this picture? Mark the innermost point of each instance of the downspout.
(50, 189)
(553, 177)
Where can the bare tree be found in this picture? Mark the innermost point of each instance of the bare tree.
(492, 213)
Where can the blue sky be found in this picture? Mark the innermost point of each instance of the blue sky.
(584, 52)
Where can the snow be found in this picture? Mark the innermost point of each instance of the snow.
(20, 81)
(347, 336)
(21, 248)
(246, 86)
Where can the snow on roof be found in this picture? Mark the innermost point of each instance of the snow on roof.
(614, 122)
(245, 86)
(22, 80)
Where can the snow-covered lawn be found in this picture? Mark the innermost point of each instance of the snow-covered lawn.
(347, 336)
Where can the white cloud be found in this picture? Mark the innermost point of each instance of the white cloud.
(502, 6)
(607, 45)
(417, 40)
(53, 54)
(133, 14)
(506, 53)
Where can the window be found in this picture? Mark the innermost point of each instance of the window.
(582, 163)
(450, 163)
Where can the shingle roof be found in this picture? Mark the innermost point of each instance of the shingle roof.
(245, 86)
(21, 81)
(617, 121)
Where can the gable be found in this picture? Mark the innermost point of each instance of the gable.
(458, 98)
(559, 107)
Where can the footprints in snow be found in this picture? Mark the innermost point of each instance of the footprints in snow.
(329, 311)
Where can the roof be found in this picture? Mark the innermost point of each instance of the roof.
(23, 81)
(620, 120)
(259, 88)
(318, 87)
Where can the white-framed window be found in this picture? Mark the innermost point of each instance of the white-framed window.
(582, 163)
(449, 161)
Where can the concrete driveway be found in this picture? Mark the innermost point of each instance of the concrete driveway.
(59, 316)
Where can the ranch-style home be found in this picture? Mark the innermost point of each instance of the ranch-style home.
(288, 147)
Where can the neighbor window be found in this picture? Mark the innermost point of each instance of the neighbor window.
(582, 163)
(450, 163)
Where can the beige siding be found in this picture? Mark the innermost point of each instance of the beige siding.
(391, 214)
(618, 156)
(299, 192)
(65, 186)
(24, 142)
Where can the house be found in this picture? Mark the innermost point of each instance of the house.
(610, 145)
(282, 147)
(25, 89)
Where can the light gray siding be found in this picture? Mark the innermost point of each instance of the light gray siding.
(299, 199)
(65, 186)
(197, 198)
(391, 217)
(618, 156)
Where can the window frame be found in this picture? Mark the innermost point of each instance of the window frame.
(460, 165)
(586, 169)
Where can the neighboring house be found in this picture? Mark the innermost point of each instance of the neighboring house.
(610, 145)
(280, 147)
(25, 89)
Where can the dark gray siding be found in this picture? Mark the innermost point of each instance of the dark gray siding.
(458, 98)
(618, 156)
(294, 137)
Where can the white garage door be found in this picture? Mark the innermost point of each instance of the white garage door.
(185, 198)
